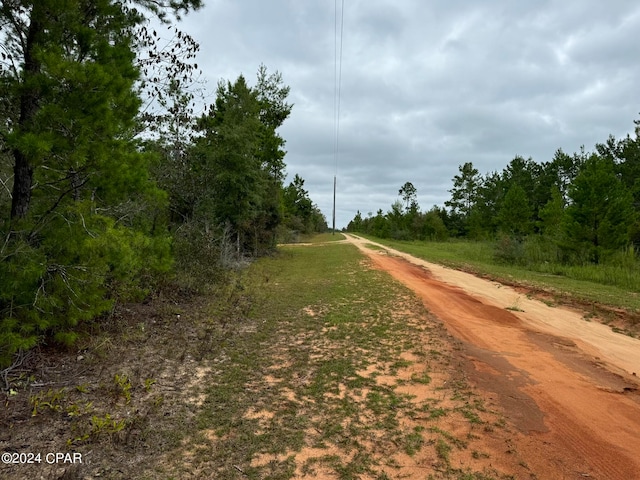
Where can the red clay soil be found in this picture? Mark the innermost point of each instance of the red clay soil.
(568, 386)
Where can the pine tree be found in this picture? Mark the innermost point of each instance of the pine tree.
(601, 213)
(514, 217)
(464, 195)
(78, 233)
(240, 156)
(465, 190)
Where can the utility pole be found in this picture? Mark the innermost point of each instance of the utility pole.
(334, 205)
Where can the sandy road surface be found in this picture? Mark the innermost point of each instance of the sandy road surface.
(565, 384)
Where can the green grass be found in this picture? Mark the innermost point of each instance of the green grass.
(326, 237)
(316, 238)
(319, 320)
(611, 285)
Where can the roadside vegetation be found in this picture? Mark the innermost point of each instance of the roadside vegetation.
(306, 364)
(117, 178)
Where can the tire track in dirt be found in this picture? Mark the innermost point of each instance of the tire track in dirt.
(567, 391)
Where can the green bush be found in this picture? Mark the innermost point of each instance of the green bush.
(509, 250)
(201, 255)
(72, 270)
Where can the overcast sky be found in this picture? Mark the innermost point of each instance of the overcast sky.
(429, 85)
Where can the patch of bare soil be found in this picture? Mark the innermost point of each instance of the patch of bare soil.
(567, 386)
(411, 416)
(114, 401)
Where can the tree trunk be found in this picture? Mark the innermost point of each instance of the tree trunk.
(22, 180)
(29, 99)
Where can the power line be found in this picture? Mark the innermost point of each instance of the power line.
(337, 80)
(338, 77)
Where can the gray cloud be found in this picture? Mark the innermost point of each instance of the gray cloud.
(427, 86)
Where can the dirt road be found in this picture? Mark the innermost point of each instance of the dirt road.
(567, 385)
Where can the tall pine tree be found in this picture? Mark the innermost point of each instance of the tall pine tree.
(601, 213)
(74, 236)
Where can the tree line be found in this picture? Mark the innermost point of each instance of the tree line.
(575, 209)
(110, 183)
